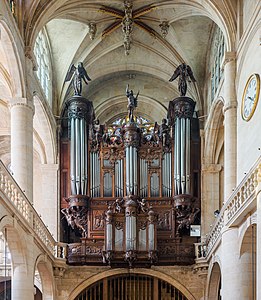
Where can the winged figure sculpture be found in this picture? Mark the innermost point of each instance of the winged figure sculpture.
(80, 75)
(185, 73)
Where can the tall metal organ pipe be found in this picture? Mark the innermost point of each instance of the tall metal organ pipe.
(80, 115)
(131, 141)
(182, 109)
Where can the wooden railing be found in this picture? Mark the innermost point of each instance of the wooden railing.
(242, 198)
(18, 204)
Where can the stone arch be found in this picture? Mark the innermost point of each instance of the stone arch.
(5, 138)
(44, 268)
(215, 121)
(149, 272)
(12, 60)
(248, 238)
(214, 282)
(15, 239)
(213, 168)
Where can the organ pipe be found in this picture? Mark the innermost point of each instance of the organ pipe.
(80, 115)
(183, 108)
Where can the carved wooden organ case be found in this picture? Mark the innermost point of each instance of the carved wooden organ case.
(130, 192)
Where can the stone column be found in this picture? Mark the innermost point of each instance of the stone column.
(48, 210)
(210, 195)
(22, 111)
(22, 284)
(23, 269)
(231, 279)
(230, 124)
(258, 238)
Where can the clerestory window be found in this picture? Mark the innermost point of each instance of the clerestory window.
(42, 54)
(218, 50)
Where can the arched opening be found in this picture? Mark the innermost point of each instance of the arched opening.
(132, 287)
(214, 287)
(5, 268)
(213, 170)
(43, 281)
(248, 262)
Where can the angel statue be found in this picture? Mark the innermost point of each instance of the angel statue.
(184, 72)
(80, 74)
(132, 102)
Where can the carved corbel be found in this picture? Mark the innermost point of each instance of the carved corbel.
(29, 53)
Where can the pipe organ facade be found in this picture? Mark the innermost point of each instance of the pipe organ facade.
(131, 196)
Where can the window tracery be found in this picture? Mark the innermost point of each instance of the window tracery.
(218, 50)
(42, 55)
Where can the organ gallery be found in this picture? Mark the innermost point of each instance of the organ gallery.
(130, 189)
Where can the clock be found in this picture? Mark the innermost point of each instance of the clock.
(250, 97)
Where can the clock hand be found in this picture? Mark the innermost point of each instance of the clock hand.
(252, 99)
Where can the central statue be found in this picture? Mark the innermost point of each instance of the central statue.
(132, 102)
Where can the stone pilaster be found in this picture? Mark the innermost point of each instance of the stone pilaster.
(48, 210)
(210, 195)
(258, 238)
(22, 111)
(230, 124)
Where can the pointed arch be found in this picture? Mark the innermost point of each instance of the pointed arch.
(213, 125)
(44, 130)
(12, 60)
(44, 268)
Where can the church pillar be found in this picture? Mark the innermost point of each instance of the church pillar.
(50, 187)
(23, 271)
(231, 271)
(22, 111)
(230, 124)
(258, 238)
(22, 284)
(210, 194)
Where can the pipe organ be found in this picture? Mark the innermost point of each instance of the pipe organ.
(133, 187)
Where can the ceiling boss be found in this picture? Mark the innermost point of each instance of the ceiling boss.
(128, 18)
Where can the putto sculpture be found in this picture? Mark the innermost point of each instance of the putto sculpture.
(185, 73)
(79, 74)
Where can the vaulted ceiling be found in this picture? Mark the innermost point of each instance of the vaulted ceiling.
(152, 57)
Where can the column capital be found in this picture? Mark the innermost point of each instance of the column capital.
(228, 57)
(228, 107)
(20, 101)
(211, 168)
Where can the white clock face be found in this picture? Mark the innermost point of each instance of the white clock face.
(250, 97)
